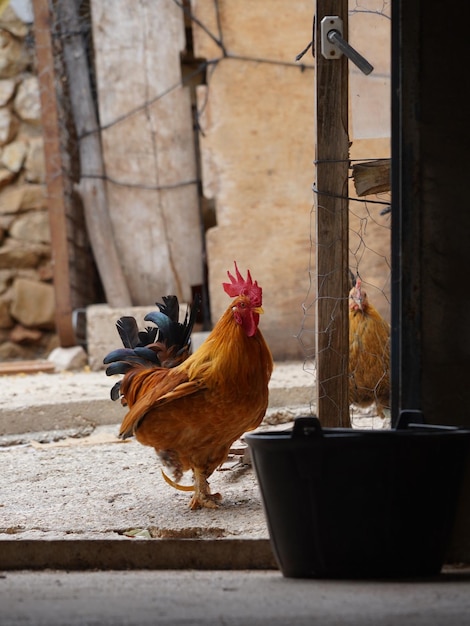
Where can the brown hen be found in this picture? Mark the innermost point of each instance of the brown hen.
(369, 353)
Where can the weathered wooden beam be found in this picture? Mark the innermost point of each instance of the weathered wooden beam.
(26, 367)
(332, 223)
(372, 177)
(148, 146)
(54, 173)
(92, 184)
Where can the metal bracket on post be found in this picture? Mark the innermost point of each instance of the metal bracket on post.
(333, 46)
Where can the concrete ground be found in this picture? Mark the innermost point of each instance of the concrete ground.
(66, 477)
(227, 598)
(90, 533)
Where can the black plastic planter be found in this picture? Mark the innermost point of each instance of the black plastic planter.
(344, 503)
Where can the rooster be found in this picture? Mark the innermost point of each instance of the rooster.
(369, 352)
(192, 413)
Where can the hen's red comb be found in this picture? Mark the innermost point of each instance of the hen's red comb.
(239, 286)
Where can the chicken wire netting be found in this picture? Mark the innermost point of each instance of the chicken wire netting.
(369, 216)
(369, 220)
(371, 263)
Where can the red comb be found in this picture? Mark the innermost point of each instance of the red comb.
(239, 286)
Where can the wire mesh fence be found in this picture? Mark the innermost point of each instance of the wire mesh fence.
(369, 234)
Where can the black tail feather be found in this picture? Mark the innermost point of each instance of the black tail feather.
(167, 330)
(147, 336)
(116, 391)
(170, 308)
(141, 348)
(119, 367)
(138, 355)
(190, 319)
(128, 331)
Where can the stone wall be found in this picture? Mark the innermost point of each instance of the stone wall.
(26, 291)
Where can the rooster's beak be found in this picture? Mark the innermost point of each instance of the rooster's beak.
(258, 309)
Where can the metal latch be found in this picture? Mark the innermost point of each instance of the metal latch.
(333, 46)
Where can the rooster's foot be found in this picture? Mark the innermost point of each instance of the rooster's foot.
(205, 500)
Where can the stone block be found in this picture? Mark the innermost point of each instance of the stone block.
(102, 335)
(8, 126)
(32, 226)
(27, 101)
(15, 57)
(67, 359)
(23, 197)
(33, 303)
(13, 155)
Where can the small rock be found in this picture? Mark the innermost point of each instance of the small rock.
(22, 335)
(31, 226)
(5, 317)
(21, 255)
(35, 168)
(15, 57)
(23, 197)
(8, 125)
(14, 155)
(33, 303)
(7, 89)
(27, 101)
(15, 18)
(68, 358)
(6, 176)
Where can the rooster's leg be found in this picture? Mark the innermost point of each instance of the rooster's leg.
(202, 494)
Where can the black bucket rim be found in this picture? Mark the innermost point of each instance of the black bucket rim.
(310, 428)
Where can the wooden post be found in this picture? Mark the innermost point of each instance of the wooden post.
(331, 212)
(54, 174)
